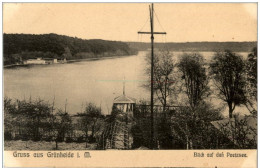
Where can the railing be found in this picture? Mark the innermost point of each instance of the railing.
(144, 111)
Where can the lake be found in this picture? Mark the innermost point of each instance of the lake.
(97, 81)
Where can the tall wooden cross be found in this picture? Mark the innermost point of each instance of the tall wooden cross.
(152, 71)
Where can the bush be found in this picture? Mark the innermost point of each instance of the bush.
(69, 140)
(80, 139)
(24, 137)
(36, 138)
(48, 139)
(92, 139)
(7, 136)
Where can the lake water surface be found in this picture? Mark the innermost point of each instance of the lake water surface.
(98, 81)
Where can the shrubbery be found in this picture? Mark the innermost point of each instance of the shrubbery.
(38, 120)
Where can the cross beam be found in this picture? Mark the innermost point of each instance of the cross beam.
(151, 33)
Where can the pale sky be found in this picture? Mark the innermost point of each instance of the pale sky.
(121, 21)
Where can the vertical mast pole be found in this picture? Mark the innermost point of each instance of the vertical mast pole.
(152, 144)
(152, 67)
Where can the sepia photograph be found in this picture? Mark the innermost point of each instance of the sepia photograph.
(129, 76)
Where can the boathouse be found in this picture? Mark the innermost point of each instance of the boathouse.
(124, 103)
(34, 61)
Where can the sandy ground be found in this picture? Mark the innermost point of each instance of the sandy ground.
(43, 145)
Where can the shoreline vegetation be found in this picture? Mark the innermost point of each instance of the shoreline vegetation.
(67, 62)
(18, 48)
(203, 46)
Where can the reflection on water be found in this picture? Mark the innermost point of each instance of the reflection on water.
(98, 81)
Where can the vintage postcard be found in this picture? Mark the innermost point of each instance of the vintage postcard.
(130, 84)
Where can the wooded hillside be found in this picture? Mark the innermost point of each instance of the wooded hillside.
(198, 46)
(19, 47)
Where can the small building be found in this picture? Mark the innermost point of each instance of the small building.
(51, 60)
(124, 103)
(35, 61)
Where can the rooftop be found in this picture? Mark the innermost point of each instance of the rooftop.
(124, 99)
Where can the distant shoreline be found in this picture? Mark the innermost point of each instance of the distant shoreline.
(68, 61)
(94, 59)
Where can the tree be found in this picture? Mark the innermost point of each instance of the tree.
(61, 125)
(36, 114)
(194, 78)
(164, 132)
(67, 53)
(251, 70)
(241, 131)
(90, 119)
(194, 132)
(227, 71)
(9, 118)
(94, 114)
(64, 125)
(190, 123)
(164, 80)
(84, 123)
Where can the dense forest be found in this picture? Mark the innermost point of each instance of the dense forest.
(198, 46)
(19, 47)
